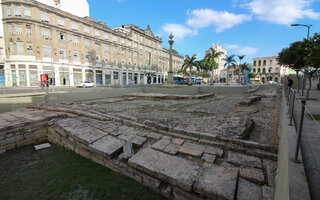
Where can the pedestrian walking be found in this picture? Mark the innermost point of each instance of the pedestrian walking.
(289, 84)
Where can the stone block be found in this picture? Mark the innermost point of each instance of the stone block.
(192, 149)
(267, 193)
(229, 166)
(208, 158)
(150, 181)
(178, 141)
(107, 145)
(174, 170)
(138, 141)
(252, 174)
(214, 151)
(172, 149)
(179, 194)
(244, 160)
(151, 135)
(161, 144)
(126, 136)
(128, 150)
(248, 191)
(217, 182)
(271, 168)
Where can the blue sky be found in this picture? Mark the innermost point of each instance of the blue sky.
(256, 28)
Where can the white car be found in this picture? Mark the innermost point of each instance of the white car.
(86, 84)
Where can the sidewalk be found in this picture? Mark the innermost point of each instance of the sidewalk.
(310, 141)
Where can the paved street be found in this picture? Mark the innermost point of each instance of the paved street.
(310, 142)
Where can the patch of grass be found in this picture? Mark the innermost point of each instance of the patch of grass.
(56, 173)
(172, 87)
(314, 116)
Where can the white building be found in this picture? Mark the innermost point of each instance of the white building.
(220, 60)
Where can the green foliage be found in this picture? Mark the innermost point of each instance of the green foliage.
(174, 51)
(190, 63)
(252, 75)
(244, 66)
(230, 61)
(205, 64)
(241, 57)
(204, 74)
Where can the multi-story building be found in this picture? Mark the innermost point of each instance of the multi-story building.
(41, 39)
(268, 69)
(220, 60)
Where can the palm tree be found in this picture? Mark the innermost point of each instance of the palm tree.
(243, 67)
(212, 55)
(229, 61)
(240, 58)
(189, 63)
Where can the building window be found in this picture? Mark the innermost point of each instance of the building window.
(259, 63)
(28, 29)
(18, 29)
(270, 69)
(45, 33)
(115, 75)
(107, 59)
(97, 46)
(141, 39)
(270, 62)
(76, 56)
(87, 43)
(264, 62)
(123, 51)
(30, 49)
(27, 12)
(264, 70)
(86, 30)
(122, 41)
(87, 56)
(107, 47)
(75, 40)
(114, 49)
(98, 58)
(44, 17)
(20, 48)
(63, 53)
(97, 33)
(74, 26)
(254, 70)
(129, 43)
(60, 21)
(106, 36)
(61, 37)
(46, 51)
(254, 63)
(10, 29)
(9, 11)
(11, 48)
(259, 70)
(115, 38)
(17, 11)
(141, 47)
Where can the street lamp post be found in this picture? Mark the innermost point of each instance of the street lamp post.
(303, 77)
(170, 73)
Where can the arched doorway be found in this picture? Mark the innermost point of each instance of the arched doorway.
(263, 80)
(276, 79)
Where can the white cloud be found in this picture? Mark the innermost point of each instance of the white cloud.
(221, 20)
(241, 50)
(282, 11)
(178, 30)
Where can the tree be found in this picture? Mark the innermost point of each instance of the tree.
(229, 61)
(294, 58)
(211, 56)
(204, 74)
(252, 75)
(189, 63)
(312, 57)
(243, 67)
(240, 59)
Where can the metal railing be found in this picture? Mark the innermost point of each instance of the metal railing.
(292, 101)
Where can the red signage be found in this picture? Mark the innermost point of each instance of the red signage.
(44, 79)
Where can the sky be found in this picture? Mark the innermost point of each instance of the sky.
(255, 28)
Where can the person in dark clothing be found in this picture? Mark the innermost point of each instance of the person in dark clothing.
(289, 84)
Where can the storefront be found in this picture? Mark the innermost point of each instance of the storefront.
(77, 76)
(98, 77)
(130, 79)
(64, 76)
(33, 75)
(124, 78)
(89, 75)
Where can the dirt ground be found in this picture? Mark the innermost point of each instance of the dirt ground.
(220, 115)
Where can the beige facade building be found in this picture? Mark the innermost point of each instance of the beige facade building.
(39, 38)
(268, 69)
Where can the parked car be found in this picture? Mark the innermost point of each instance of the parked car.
(85, 84)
